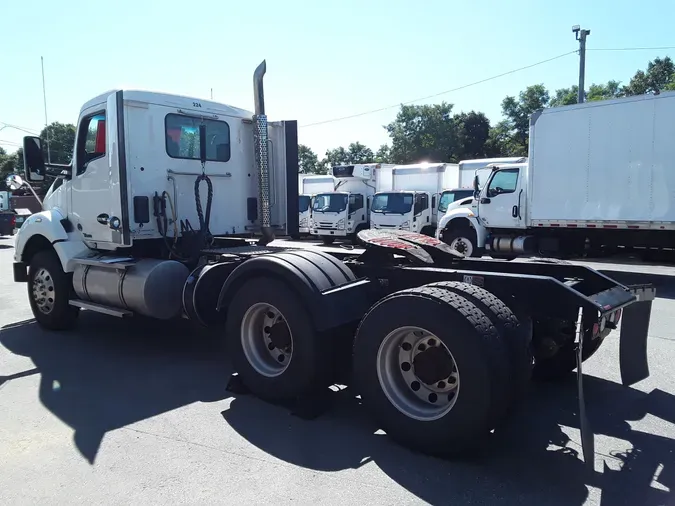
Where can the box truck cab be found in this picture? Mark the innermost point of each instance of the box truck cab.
(309, 186)
(343, 212)
(412, 203)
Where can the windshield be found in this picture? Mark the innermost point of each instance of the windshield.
(394, 203)
(329, 203)
(303, 203)
(449, 197)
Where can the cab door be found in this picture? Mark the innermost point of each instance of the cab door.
(499, 205)
(99, 206)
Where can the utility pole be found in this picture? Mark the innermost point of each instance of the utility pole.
(44, 96)
(581, 37)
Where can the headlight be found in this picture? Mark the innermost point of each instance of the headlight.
(405, 224)
(303, 222)
(341, 224)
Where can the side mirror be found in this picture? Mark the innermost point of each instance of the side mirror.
(14, 182)
(33, 159)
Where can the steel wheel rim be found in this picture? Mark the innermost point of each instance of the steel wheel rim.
(399, 364)
(465, 245)
(44, 293)
(266, 339)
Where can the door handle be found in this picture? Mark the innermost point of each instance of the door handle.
(485, 200)
(514, 211)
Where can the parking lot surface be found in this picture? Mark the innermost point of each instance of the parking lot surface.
(137, 412)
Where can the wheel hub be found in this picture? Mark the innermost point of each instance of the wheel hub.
(432, 365)
(417, 373)
(266, 339)
(43, 291)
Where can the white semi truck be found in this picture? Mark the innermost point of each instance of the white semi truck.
(154, 215)
(412, 202)
(598, 175)
(310, 185)
(343, 212)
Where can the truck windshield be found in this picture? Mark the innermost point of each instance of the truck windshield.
(329, 203)
(394, 203)
(303, 203)
(449, 197)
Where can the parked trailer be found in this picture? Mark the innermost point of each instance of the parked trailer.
(438, 346)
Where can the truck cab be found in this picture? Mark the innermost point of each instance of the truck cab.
(310, 185)
(401, 210)
(343, 212)
(499, 200)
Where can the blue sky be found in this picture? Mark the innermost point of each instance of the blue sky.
(324, 59)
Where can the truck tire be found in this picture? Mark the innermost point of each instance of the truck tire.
(463, 240)
(355, 237)
(327, 239)
(49, 290)
(273, 344)
(431, 370)
(516, 334)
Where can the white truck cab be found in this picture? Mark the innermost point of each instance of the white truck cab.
(412, 203)
(310, 185)
(343, 212)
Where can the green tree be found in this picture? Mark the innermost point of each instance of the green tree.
(58, 141)
(358, 153)
(565, 96)
(383, 154)
(307, 160)
(473, 132)
(660, 75)
(517, 114)
(612, 89)
(424, 132)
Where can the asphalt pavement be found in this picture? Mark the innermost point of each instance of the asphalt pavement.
(137, 412)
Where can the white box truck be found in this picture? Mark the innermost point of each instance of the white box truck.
(599, 175)
(310, 185)
(343, 213)
(411, 203)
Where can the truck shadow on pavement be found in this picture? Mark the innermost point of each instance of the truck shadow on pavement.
(107, 374)
(531, 460)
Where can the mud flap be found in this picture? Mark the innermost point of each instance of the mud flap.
(587, 436)
(633, 338)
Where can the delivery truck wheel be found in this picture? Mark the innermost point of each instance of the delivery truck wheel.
(516, 334)
(49, 292)
(463, 240)
(272, 342)
(432, 370)
(327, 239)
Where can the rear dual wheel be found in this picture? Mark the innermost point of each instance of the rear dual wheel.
(433, 369)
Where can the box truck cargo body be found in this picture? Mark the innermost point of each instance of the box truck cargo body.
(599, 176)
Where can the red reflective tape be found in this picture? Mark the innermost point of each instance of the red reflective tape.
(610, 226)
(572, 225)
(590, 225)
(633, 226)
(555, 224)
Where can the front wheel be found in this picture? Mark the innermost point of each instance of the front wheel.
(327, 239)
(463, 240)
(49, 292)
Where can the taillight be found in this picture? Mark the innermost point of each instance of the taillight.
(12, 221)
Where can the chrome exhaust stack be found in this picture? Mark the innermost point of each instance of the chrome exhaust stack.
(261, 158)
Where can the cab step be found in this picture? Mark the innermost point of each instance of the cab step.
(100, 308)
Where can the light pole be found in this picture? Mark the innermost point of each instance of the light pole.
(581, 37)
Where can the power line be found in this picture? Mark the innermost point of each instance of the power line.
(656, 48)
(442, 92)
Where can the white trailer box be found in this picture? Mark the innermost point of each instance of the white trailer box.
(608, 161)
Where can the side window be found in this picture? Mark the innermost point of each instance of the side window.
(504, 181)
(355, 203)
(182, 138)
(421, 202)
(90, 140)
(433, 202)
